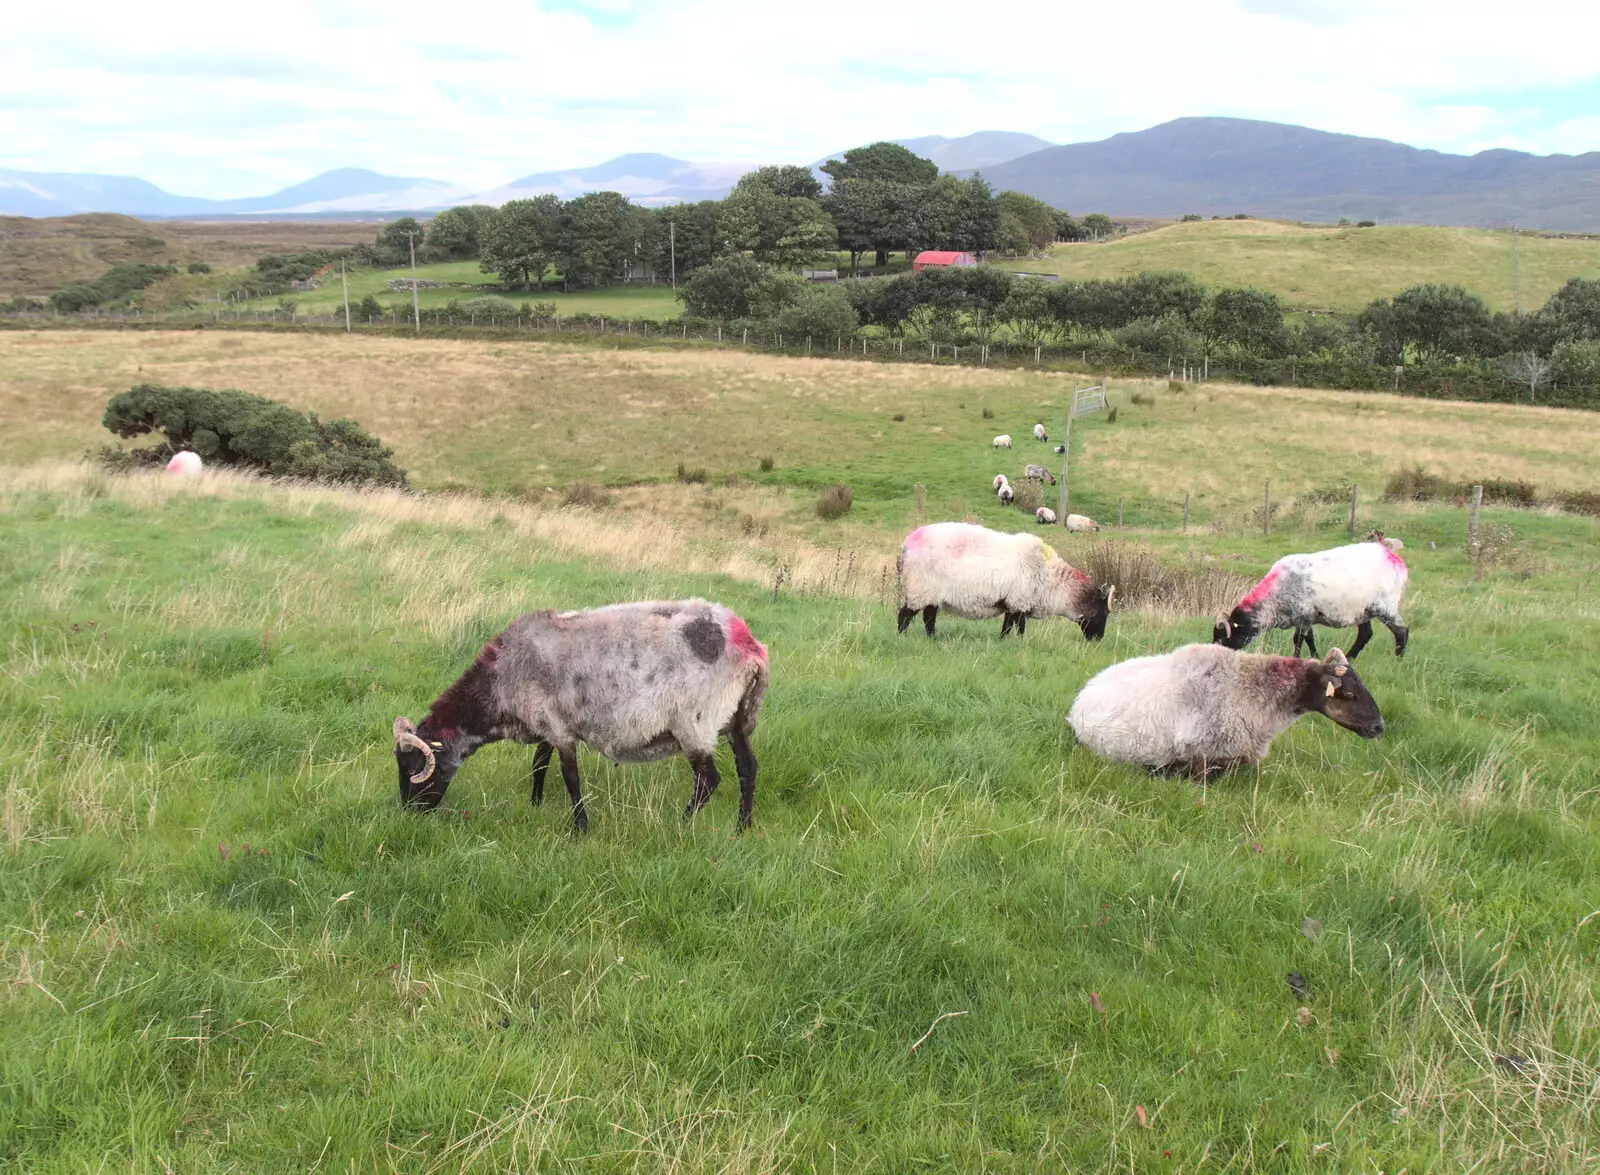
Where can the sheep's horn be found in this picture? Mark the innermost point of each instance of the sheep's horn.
(1111, 595)
(405, 735)
(1227, 626)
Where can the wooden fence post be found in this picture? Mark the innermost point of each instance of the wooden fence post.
(1472, 523)
(1119, 513)
(1186, 513)
(1355, 497)
(1266, 510)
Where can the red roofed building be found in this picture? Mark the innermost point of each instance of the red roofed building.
(942, 257)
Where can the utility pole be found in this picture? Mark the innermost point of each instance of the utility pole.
(672, 245)
(1516, 274)
(345, 282)
(416, 313)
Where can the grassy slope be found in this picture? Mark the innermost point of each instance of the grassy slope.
(928, 840)
(1324, 267)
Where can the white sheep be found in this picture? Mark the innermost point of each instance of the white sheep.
(1038, 473)
(1003, 441)
(1045, 516)
(1345, 586)
(636, 682)
(1006, 494)
(1378, 536)
(1000, 480)
(1060, 449)
(1081, 523)
(185, 464)
(979, 573)
(1204, 708)
(1039, 434)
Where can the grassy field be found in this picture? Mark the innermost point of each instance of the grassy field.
(894, 971)
(1324, 267)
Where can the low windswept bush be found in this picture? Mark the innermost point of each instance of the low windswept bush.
(835, 502)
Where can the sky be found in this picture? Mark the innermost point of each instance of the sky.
(208, 99)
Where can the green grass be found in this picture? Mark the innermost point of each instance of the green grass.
(1326, 267)
(186, 668)
(477, 990)
(633, 300)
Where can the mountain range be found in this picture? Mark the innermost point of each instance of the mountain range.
(1207, 166)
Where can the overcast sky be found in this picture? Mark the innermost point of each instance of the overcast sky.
(216, 99)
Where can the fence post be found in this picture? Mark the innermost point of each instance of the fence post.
(1119, 513)
(1472, 523)
(746, 341)
(1355, 496)
(1266, 510)
(1186, 512)
(808, 346)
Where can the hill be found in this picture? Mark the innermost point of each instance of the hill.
(1220, 166)
(644, 177)
(1326, 267)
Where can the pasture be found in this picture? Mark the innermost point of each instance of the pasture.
(953, 941)
(1327, 267)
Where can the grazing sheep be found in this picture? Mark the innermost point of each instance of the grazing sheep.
(1006, 494)
(1000, 480)
(1045, 515)
(1039, 434)
(980, 573)
(1038, 473)
(1081, 523)
(1060, 449)
(1003, 441)
(1346, 586)
(635, 681)
(185, 464)
(1204, 708)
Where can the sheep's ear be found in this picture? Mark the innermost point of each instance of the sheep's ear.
(1331, 687)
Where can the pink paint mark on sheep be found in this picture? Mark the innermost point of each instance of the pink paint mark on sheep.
(1080, 576)
(917, 538)
(1261, 591)
(740, 639)
(1394, 559)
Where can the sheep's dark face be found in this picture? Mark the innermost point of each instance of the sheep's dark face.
(424, 776)
(1344, 698)
(1093, 622)
(1235, 630)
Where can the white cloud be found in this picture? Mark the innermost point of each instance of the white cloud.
(209, 106)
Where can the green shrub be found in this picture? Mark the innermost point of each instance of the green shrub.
(198, 267)
(370, 307)
(988, 413)
(821, 312)
(691, 476)
(1579, 501)
(488, 306)
(251, 432)
(835, 502)
(1416, 484)
(766, 464)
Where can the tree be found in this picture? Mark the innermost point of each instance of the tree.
(1022, 217)
(782, 180)
(1154, 293)
(1576, 364)
(1099, 226)
(1435, 321)
(738, 286)
(882, 162)
(872, 216)
(697, 237)
(598, 235)
(888, 302)
(1026, 311)
(454, 233)
(1068, 229)
(1571, 315)
(1528, 368)
(788, 231)
(394, 239)
(520, 240)
(957, 214)
(818, 311)
(1251, 319)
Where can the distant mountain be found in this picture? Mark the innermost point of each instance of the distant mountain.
(980, 150)
(1220, 166)
(644, 178)
(37, 193)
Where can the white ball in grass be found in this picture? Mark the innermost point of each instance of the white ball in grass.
(185, 464)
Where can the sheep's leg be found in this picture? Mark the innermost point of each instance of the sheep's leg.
(1311, 641)
(929, 615)
(904, 619)
(1363, 635)
(1007, 622)
(1022, 623)
(569, 775)
(745, 761)
(541, 763)
(1402, 634)
(706, 780)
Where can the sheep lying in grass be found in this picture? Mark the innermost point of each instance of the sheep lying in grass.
(1081, 524)
(1038, 473)
(1045, 516)
(980, 573)
(1003, 441)
(1349, 585)
(1204, 708)
(185, 464)
(635, 681)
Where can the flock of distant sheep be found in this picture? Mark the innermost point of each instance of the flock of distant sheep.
(1044, 516)
(643, 681)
